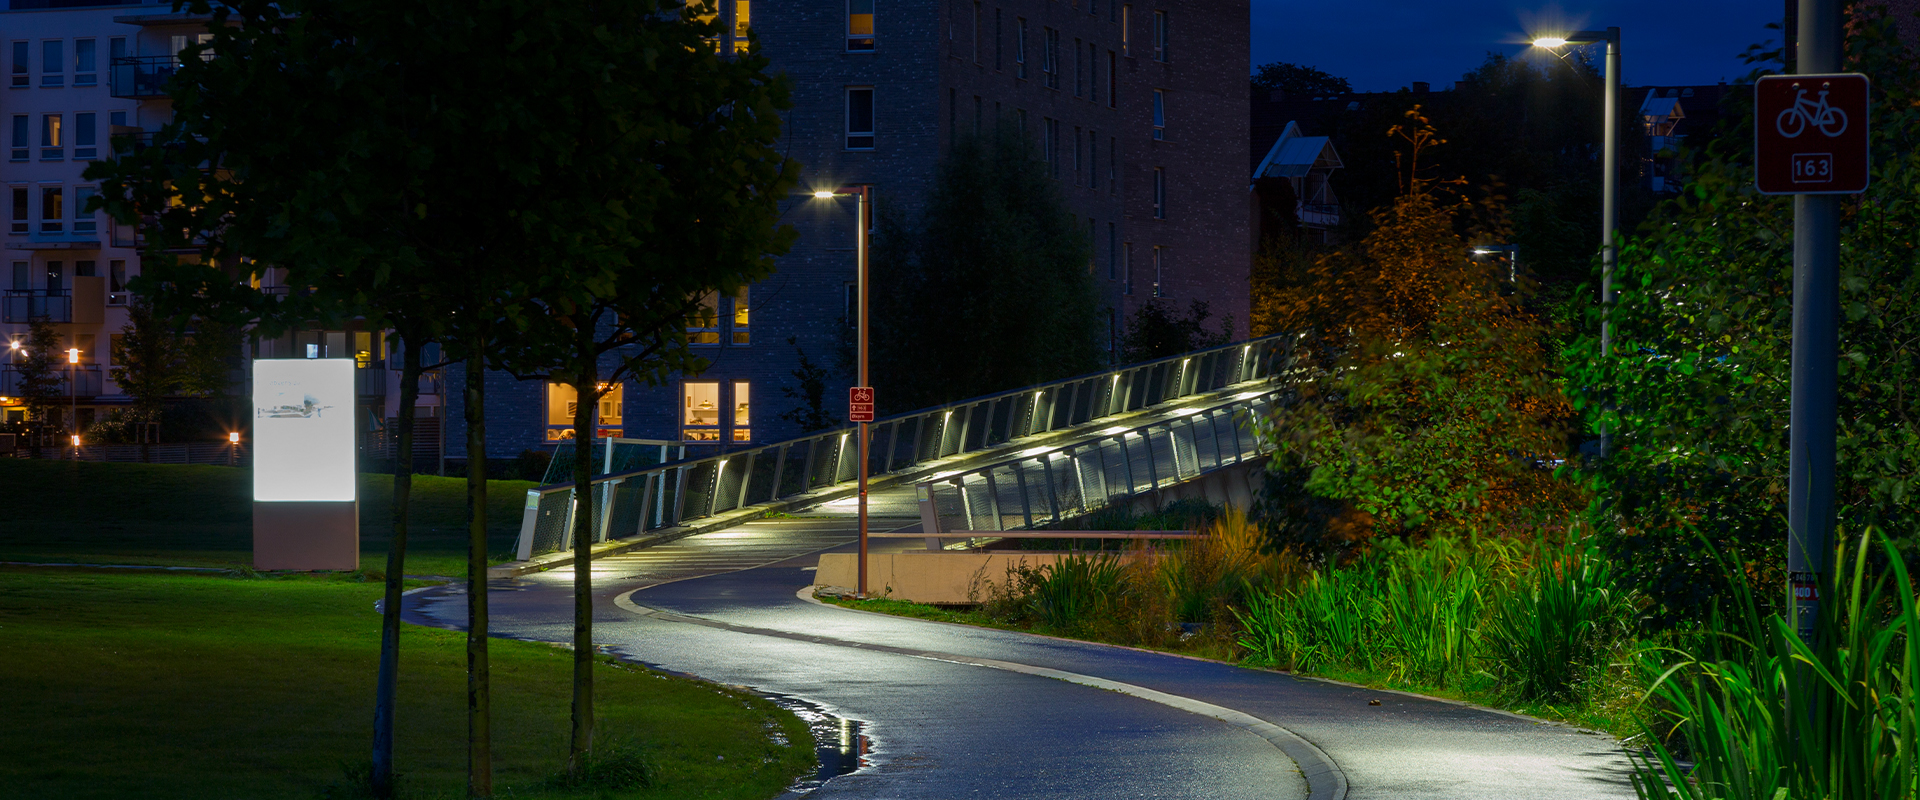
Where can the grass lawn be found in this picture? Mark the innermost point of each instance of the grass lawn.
(195, 686)
(203, 516)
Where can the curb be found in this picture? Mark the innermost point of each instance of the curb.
(1325, 780)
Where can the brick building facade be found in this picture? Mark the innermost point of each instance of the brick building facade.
(1139, 110)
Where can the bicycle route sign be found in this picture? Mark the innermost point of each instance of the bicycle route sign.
(1810, 134)
(859, 404)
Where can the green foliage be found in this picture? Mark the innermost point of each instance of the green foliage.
(1551, 630)
(1765, 715)
(995, 255)
(810, 388)
(39, 368)
(1295, 79)
(1697, 392)
(1156, 330)
(1068, 593)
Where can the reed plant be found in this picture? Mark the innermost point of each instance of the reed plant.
(1554, 626)
(1770, 716)
(1071, 592)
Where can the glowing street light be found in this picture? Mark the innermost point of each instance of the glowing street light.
(1610, 180)
(863, 212)
(73, 395)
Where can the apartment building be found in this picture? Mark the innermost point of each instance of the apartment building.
(1137, 108)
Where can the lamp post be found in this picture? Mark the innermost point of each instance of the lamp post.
(1610, 180)
(73, 398)
(863, 193)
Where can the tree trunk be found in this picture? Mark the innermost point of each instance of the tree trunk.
(479, 705)
(586, 397)
(383, 702)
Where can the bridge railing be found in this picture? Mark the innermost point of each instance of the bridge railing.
(1049, 485)
(672, 494)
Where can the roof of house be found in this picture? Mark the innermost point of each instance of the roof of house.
(1293, 155)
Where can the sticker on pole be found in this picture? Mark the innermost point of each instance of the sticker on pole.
(1810, 134)
(860, 404)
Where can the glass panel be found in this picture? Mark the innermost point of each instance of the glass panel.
(53, 67)
(51, 209)
(859, 118)
(20, 68)
(742, 421)
(700, 415)
(18, 223)
(741, 334)
(83, 62)
(560, 408)
(859, 24)
(612, 403)
(704, 326)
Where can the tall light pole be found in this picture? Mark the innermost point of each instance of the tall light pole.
(1609, 180)
(73, 398)
(863, 193)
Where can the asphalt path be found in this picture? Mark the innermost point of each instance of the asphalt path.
(955, 711)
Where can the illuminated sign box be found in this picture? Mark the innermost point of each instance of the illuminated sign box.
(303, 436)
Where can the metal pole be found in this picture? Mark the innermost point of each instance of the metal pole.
(862, 208)
(1816, 257)
(1609, 206)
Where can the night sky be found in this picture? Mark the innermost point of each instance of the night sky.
(1382, 45)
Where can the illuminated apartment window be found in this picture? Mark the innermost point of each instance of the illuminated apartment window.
(860, 118)
(52, 209)
(1159, 115)
(742, 417)
(703, 325)
(700, 411)
(562, 403)
(53, 140)
(741, 334)
(859, 25)
(1160, 35)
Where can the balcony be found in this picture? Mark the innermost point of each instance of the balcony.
(89, 379)
(143, 77)
(84, 304)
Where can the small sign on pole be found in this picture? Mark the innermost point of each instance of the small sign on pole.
(1810, 134)
(860, 404)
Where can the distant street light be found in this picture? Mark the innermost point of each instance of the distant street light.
(1610, 181)
(73, 397)
(864, 192)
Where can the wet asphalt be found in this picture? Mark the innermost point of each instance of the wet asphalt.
(934, 728)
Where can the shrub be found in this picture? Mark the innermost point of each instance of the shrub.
(1551, 629)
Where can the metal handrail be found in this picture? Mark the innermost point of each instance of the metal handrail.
(668, 495)
(1055, 484)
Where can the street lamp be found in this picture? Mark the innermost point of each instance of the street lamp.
(1512, 252)
(1610, 180)
(73, 397)
(863, 193)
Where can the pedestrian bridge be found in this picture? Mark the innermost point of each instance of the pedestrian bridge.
(1007, 461)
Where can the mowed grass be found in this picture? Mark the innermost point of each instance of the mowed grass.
(66, 511)
(194, 686)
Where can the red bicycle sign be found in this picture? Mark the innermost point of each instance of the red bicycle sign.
(1810, 134)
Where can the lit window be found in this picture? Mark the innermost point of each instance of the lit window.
(742, 419)
(860, 118)
(741, 334)
(85, 71)
(859, 25)
(52, 138)
(563, 403)
(700, 411)
(1159, 115)
(52, 209)
(703, 325)
(1126, 30)
(1160, 51)
(53, 65)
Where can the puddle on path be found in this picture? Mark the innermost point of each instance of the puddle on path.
(841, 744)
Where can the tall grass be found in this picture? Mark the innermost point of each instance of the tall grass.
(1773, 717)
(1552, 629)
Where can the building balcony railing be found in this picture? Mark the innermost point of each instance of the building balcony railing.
(89, 380)
(20, 306)
(1320, 215)
(140, 77)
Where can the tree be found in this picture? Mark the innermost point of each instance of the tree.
(1155, 331)
(1428, 400)
(38, 363)
(811, 390)
(1294, 79)
(995, 253)
(146, 359)
(1697, 392)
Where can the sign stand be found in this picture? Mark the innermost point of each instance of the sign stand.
(306, 508)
